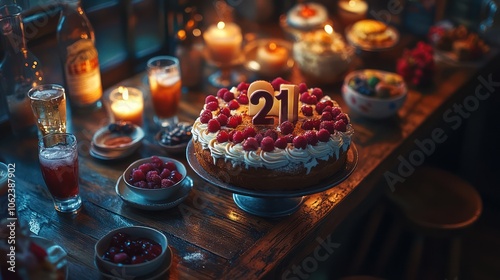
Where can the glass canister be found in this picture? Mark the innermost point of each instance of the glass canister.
(20, 70)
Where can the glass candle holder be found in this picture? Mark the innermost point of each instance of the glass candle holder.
(127, 104)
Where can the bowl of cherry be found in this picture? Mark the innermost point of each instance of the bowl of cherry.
(155, 178)
(131, 251)
(175, 138)
(374, 94)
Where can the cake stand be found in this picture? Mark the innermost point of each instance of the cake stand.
(273, 204)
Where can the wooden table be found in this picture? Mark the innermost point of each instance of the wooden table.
(211, 238)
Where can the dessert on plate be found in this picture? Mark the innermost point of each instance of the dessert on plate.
(369, 33)
(323, 56)
(290, 155)
(460, 43)
(307, 15)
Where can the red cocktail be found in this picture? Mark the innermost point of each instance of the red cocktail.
(58, 157)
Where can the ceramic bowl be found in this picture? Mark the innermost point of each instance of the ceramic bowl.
(155, 194)
(373, 107)
(131, 270)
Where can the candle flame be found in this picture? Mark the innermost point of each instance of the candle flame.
(272, 46)
(328, 29)
(124, 92)
(221, 25)
(181, 34)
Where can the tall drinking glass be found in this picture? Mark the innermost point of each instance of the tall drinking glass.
(165, 86)
(48, 103)
(58, 157)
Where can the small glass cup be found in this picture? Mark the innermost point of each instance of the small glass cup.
(165, 86)
(58, 156)
(48, 103)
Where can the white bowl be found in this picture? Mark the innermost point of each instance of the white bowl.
(155, 194)
(131, 270)
(373, 107)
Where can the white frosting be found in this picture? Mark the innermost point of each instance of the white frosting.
(289, 158)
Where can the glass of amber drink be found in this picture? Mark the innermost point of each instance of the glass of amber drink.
(58, 156)
(48, 103)
(165, 86)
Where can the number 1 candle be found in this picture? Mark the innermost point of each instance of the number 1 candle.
(289, 102)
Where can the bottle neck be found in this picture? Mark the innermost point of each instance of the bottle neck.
(73, 6)
(12, 30)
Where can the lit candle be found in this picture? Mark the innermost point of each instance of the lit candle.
(223, 42)
(272, 57)
(127, 104)
(351, 11)
(262, 103)
(289, 103)
(327, 37)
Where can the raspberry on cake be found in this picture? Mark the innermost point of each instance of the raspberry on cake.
(277, 156)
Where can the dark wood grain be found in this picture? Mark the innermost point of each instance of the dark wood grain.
(210, 236)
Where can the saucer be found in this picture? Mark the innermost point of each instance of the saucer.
(157, 274)
(103, 135)
(139, 202)
(110, 154)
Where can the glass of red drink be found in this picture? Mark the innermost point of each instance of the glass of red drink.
(58, 158)
(165, 85)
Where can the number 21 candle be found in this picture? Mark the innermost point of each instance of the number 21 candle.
(264, 102)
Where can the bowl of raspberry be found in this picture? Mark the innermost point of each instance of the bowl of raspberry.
(131, 251)
(155, 178)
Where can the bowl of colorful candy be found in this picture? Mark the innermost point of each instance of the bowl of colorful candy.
(131, 251)
(373, 93)
(155, 178)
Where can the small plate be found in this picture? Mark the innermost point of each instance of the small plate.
(353, 40)
(58, 256)
(104, 134)
(138, 201)
(110, 154)
(157, 274)
(252, 63)
(451, 59)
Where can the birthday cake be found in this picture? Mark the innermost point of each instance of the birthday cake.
(273, 145)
